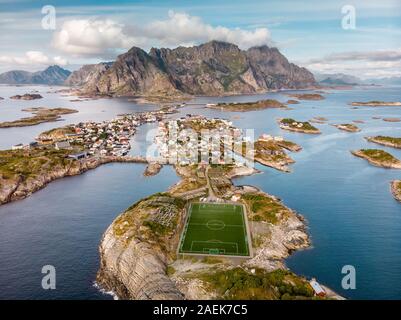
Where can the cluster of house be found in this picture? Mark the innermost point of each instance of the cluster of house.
(107, 138)
(293, 125)
(181, 142)
(269, 138)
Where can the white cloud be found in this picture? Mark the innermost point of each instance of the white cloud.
(378, 55)
(365, 64)
(105, 38)
(90, 37)
(181, 28)
(34, 58)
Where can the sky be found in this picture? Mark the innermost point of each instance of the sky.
(359, 37)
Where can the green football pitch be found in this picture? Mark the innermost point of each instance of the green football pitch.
(217, 229)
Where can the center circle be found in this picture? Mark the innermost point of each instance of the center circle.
(215, 224)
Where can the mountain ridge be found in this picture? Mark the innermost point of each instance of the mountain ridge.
(52, 75)
(212, 68)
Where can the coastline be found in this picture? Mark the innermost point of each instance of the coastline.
(383, 143)
(381, 164)
(135, 267)
(18, 190)
(395, 187)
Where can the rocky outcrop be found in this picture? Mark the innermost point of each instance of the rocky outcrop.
(53, 75)
(152, 169)
(134, 270)
(213, 68)
(278, 241)
(395, 187)
(137, 266)
(19, 187)
(27, 96)
(88, 74)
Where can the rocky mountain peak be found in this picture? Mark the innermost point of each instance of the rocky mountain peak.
(212, 68)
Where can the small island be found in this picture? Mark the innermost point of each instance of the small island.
(395, 187)
(320, 120)
(379, 158)
(291, 101)
(307, 96)
(376, 104)
(391, 119)
(268, 153)
(247, 106)
(27, 96)
(347, 127)
(386, 141)
(152, 169)
(41, 115)
(297, 126)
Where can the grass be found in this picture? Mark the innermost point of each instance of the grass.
(238, 283)
(215, 229)
(29, 163)
(379, 155)
(143, 220)
(251, 106)
(393, 140)
(264, 208)
(307, 96)
(41, 115)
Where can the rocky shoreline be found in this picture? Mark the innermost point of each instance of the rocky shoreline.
(17, 189)
(386, 141)
(27, 96)
(40, 115)
(376, 104)
(135, 265)
(347, 127)
(395, 187)
(152, 169)
(378, 158)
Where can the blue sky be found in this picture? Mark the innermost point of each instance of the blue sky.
(308, 33)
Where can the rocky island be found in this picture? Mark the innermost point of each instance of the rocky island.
(386, 141)
(270, 153)
(248, 106)
(376, 104)
(138, 251)
(152, 169)
(392, 119)
(379, 158)
(307, 96)
(297, 126)
(347, 127)
(41, 115)
(27, 96)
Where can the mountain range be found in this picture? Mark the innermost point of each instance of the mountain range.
(213, 68)
(338, 79)
(53, 75)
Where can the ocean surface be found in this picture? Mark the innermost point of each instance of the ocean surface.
(351, 214)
